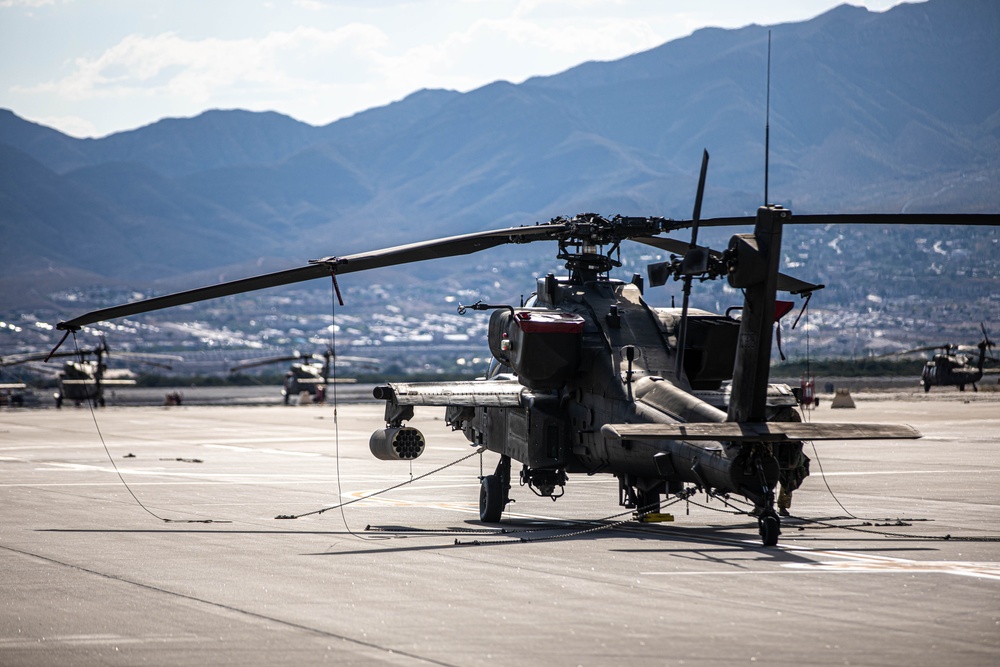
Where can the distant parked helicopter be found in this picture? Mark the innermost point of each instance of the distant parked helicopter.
(309, 372)
(84, 379)
(952, 367)
(16, 394)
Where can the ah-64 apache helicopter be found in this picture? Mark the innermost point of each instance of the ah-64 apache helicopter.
(83, 379)
(308, 373)
(590, 379)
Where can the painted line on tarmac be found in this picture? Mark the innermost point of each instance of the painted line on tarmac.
(892, 472)
(159, 472)
(870, 563)
(47, 641)
(261, 450)
(846, 562)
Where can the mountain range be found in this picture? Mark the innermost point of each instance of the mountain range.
(870, 112)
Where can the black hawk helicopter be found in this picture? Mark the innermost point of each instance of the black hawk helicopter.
(83, 379)
(590, 379)
(308, 373)
(951, 366)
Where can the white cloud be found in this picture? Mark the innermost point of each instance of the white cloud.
(511, 48)
(585, 40)
(201, 70)
(319, 75)
(563, 7)
(25, 3)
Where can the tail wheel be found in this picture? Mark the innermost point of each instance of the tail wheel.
(491, 500)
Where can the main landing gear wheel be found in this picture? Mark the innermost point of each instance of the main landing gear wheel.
(494, 492)
(491, 501)
(769, 526)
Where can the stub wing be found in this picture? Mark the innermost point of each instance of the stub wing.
(472, 394)
(758, 432)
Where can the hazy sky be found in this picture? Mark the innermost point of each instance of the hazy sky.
(93, 67)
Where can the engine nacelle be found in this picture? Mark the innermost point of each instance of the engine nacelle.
(401, 443)
(541, 345)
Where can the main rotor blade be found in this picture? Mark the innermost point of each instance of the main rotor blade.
(155, 364)
(45, 369)
(343, 358)
(464, 244)
(361, 361)
(146, 356)
(901, 353)
(926, 348)
(200, 294)
(16, 359)
(252, 363)
(675, 246)
(415, 252)
(972, 219)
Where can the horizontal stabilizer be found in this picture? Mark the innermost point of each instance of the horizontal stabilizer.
(758, 432)
(473, 393)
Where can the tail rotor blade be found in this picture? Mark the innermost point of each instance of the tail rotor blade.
(696, 215)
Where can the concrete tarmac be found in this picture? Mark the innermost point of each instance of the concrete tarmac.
(188, 564)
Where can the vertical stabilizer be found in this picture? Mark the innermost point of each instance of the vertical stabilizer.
(755, 270)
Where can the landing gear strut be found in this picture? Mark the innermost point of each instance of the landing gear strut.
(494, 492)
(643, 495)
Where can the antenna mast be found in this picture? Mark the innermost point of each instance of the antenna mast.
(767, 121)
